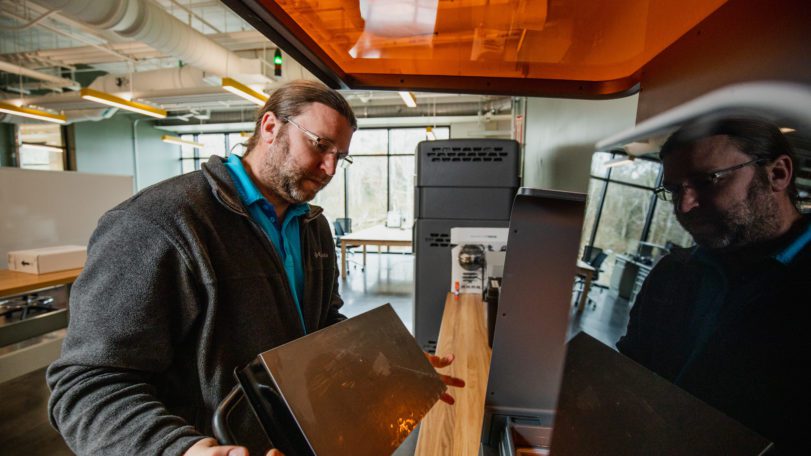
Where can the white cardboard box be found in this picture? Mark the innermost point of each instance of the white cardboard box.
(48, 259)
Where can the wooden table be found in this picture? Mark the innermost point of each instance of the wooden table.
(379, 235)
(587, 271)
(457, 429)
(14, 282)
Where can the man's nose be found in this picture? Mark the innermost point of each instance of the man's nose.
(687, 199)
(329, 164)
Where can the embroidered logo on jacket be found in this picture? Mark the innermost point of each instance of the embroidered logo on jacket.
(321, 255)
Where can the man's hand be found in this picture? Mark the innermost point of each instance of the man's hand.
(209, 447)
(440, 362)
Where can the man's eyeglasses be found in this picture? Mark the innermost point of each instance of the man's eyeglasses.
(323, 145)
(702, 182)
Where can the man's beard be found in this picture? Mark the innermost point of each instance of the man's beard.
(752, 220)
(285, 178)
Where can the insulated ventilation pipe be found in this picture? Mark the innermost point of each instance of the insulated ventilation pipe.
(144, 21)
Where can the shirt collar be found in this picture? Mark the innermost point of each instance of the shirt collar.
(249, 193)
(787, 254)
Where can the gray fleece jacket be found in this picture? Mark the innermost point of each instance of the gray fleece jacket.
(180, 288)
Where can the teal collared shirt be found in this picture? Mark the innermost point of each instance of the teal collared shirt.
(285, 235)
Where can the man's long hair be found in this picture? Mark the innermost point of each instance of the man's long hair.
(290, 99)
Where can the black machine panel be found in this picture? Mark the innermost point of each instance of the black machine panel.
(468, 163)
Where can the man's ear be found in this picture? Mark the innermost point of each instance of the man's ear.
(780, 173)
(269, 127)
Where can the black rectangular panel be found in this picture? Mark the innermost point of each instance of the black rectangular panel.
(478, 203)
(468, 163)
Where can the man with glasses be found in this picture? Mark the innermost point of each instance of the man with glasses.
(727, 319)
(195, 276)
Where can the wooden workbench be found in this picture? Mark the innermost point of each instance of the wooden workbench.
(456, 429)
(13, 282)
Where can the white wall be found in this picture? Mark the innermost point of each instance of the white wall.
(560, 137)
(48, 208)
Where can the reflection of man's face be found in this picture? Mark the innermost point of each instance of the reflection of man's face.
(738, 209)
(293, 168)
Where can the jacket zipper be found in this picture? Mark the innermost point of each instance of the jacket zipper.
(273, 254)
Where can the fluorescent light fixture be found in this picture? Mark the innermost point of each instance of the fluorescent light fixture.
(787, 130)
(181, 142)
(241, 90)
(32, 113)
(42, 147)
(123, 103)
(409, 99)
(429, 133)
(619, 161)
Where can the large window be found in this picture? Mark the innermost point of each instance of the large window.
(664, 228)
(381, 179)
(222, 144)
(42, 147)
(622, 210)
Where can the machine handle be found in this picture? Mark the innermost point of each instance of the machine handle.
(220, 421)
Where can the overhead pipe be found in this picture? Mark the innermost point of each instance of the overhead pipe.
(17, 69)
(148, 81)
(147, 22)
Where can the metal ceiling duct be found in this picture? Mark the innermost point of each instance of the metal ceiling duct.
(144, 21)
(186, 77)
(49, 78)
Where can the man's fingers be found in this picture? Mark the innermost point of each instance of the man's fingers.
(440, 361)
(444, 361)
(452, 381)
(447, 398)
(209, 447)
(274, 453)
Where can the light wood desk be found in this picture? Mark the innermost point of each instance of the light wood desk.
(456, 429)
(587, 271)
(13, 282)
(379, 235)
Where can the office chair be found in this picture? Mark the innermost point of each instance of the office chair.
(590, 253)
(594, 257)
(343, 226)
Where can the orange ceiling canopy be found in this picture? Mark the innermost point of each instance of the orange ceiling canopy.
(590, 48)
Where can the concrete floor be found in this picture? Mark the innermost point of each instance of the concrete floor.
(388, 278)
